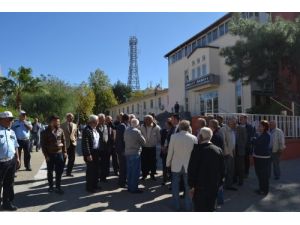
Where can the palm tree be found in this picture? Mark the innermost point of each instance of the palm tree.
(20, 82)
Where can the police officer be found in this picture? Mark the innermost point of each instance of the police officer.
(9, 160)
(22, 128)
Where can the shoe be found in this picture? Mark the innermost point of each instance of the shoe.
(104, 180)
(69, 175)
(9, 207)
(50, 189)
(231, 188)
(163, 184)
(59, 191)
(28, 169)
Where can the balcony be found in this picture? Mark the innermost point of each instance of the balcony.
(207, 81)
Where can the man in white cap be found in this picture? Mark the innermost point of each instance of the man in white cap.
(22, 128)
(9, 160)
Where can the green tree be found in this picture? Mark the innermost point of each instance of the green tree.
(104, 96)
(18, 83)
(121, 91)
(264, 51)
(85, 101)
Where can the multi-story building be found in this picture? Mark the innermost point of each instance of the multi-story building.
(198, 76)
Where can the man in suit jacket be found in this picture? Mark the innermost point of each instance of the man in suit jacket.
(91, 153)
(179, 152)
(120, 148)
(229, 138)
(241, 143)
(205, 172)
(70, 131)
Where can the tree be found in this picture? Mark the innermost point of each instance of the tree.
(18, 83)
(121, 91)
(85, 101)
(264, 51)
(104, 96)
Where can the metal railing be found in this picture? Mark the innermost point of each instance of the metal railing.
(290, 125)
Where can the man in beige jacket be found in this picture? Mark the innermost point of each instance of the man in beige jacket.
(70, 131)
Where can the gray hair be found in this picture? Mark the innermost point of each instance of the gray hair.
(93, 118)
(101, 115)
(134, 122)
(184, 125)
(206, 134)
(149, 116)
(131, 116)
(70, 114)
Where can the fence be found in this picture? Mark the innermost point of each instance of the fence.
(289, 124)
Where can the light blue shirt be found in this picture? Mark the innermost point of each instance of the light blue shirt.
(8, 143)
(21, 130)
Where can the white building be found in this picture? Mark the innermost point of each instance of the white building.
(198, 76)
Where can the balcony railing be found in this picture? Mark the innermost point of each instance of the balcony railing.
(209, 79)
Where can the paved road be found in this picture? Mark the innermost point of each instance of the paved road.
(32, 195)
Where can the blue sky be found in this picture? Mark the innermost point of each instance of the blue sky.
(71, 45)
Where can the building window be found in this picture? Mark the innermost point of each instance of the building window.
(123, 110)
(222, 30)
(193, 63)
(138, 108)
(186, 75)
(193, 73)
(159, 102)
(187, 104)
(203, 41)
(199, 43)
(215, 34)
(119, 111)
(198, 71)
(204, 70)
(226, 27)
(209, 102)
(127, 109)
(145, 105)
(203, 58)
(189, 49)
(132, 108)
(209, 37)
(238, 93)
(151, 103)
(198, 60)
(194, 45)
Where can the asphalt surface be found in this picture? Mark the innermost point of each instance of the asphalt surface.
(32, 196)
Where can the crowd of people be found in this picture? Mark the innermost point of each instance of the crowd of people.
(201, 163)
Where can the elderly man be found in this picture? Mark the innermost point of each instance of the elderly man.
(35, 138)
(120, 148)
(91, 153)
(179, 152)
(22, 128)
(250, 134)
(134, 141)
(111, 145)
(277, 145)
(55, 152)
(229, 139)
(205, 172)
(9, 160)
(104, 148)
(70, 131)
(201, 122)
(217, 138)
(151, 132)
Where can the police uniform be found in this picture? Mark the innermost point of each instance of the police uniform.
(8, 145)
(23, 137)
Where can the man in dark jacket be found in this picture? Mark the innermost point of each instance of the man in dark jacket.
(120, 148)
(205, 173)
(54, 149)
(217, 138)
(91, 153)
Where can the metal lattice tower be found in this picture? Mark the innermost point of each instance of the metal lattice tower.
(133, 74)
